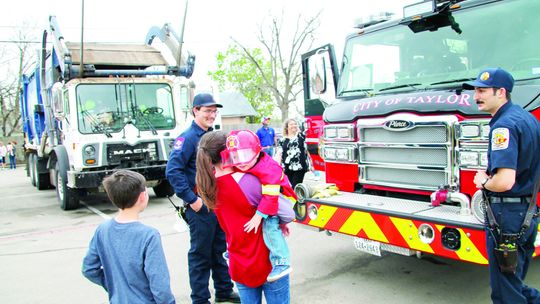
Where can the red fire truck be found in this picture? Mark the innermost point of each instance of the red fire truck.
(400, 138)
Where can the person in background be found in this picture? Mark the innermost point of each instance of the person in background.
(207, 240)
(292, 148)
(243, 151)
(3, 153)
(509, 181)
(126, 257)
(267, 136)
(234, 197)
(12, 152)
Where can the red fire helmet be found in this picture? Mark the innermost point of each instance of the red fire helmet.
(241, 147)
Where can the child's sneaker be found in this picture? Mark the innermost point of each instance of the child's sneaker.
(226, 256)
(278, 272)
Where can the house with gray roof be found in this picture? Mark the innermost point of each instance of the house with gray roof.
(235, 109)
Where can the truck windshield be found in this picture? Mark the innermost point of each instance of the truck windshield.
(503, 34)
(107, 108)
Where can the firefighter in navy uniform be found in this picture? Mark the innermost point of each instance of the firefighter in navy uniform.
(207, 240)
(513, 170)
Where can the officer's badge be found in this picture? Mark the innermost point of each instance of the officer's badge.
(232, 142)
(500, 139)
(484, 76)
(178, 144)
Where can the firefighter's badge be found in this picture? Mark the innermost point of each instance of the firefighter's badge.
(500, 139)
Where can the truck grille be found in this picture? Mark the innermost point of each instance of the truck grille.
(421, 134)
(121, 152)
(418, 157)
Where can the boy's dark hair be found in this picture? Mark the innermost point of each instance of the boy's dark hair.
(124, 187)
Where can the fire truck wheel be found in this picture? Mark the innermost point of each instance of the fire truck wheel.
(67, 197)
(163, 189)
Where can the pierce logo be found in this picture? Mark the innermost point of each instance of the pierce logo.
(398, 125)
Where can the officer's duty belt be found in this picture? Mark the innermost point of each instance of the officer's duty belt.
(499, 200)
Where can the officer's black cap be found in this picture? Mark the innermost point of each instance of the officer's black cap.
(205, 100)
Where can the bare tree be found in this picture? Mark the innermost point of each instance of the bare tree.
(285, 82)
(10, 112)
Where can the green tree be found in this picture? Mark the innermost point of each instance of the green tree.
(277, 65)
(236, 71)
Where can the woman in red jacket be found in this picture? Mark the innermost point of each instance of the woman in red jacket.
(229, 194)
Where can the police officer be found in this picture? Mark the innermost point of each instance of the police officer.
(207, 238)
(513, 169)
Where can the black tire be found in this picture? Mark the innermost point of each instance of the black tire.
(39, 180)
(31, 169)
(67, 197)
(163, 189)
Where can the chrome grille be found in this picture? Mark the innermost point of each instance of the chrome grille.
(420, 179)
(417, 158)
(418, 135)
(405, 155)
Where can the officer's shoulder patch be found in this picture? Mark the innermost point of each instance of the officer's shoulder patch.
(500, 138)
(179, 143)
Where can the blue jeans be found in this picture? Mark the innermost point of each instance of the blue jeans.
(269, 151)
(511, 288)
(12, 162)
(277, 292)
(275, 241)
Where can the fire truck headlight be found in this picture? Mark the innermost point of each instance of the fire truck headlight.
(341, 132)
(313, 212)
(478, 206)
(468, 158)
(346, 132)
(330, 153)
(470, 131)
(344, 153)
(330, 132)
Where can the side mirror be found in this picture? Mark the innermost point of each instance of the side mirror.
(58, 102)
(317, 73)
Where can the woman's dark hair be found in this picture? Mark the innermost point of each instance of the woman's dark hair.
(208, 154)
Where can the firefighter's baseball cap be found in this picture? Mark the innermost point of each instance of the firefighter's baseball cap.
(205, 100)
(491, 78)
(241, 147)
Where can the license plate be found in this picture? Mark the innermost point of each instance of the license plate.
(368, 246)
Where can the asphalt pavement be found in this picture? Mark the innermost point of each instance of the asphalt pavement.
(41, 250)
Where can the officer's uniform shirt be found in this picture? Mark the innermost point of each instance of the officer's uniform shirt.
(515, 144)
(181, 165)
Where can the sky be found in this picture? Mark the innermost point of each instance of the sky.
(209, 26)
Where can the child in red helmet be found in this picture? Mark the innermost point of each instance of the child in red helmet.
(243, 151)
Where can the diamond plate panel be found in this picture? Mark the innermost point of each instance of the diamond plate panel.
(414, 178)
